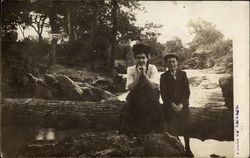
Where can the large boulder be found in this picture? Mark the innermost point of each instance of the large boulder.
(226, 84)
(39, 88)
(115, 84)
(81, 91)
(91, 93)
(69, 89)
(54, 85)
(63, 88)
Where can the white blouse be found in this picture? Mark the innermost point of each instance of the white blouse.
(152, 74)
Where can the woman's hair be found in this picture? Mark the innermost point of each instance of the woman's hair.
(141, 49)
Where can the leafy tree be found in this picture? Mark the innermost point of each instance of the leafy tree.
(91, 22)
(13, 14)
(174, 46)
(204, 33)
(37, 21)
(149, 36)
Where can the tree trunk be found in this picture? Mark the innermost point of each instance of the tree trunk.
(213, 121)
(39, 38)
(53, 52)
(54, 30)
(69, 26)
(114, 34)
(22, 31)
(92, 33)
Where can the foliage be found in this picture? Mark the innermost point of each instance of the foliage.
(204, 33)
(72, 53)
(149, 36)
(208, 38)
(176, 46)
(14, 13)
(209, 43)
(20, 58)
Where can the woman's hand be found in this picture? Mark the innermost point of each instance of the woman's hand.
(142, 70)
(175, 107)
(180, 106)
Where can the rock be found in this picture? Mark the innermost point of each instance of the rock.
(81, 84)
(69, 89)
(226, 84)
(54, 85)
(63, 88)
(217, 156)
(112, 144)
(120, 83)
(196, 81)
(91, 93)
(208, 85)
(115, 84)
(121, 68)
(103, 82)
(81, 91)
(77, 79)
(50, 80)
(39, 88)
(162, 145)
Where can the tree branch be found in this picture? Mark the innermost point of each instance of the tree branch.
(34, 28)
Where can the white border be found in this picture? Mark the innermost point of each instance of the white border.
(241, 81)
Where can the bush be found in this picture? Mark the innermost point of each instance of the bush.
(72, 53)
(20, 58)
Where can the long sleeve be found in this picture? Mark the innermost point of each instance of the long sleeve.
(154, 75)
(130, 77)
(163, 91)
(186, 91)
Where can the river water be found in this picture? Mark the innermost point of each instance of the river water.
(204, 89)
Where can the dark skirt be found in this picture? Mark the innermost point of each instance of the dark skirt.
(142, 113)
(178, 123)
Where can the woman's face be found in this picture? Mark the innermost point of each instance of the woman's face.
(141, 59)
(172, 64)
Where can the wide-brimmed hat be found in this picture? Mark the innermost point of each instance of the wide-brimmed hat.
(171, 55)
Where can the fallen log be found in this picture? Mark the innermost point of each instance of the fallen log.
(213, 121)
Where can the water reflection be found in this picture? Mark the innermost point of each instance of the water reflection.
(46, 134)
(15, 140)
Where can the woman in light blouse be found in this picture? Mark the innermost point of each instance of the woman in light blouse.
(142, 113)
(142, 68)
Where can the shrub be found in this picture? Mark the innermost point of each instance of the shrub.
(20, 58)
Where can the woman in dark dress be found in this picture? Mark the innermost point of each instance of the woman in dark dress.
(175, 94)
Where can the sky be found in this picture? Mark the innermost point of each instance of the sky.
(174, 16)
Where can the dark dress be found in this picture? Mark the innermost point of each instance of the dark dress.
(142, 113)
(175, 91)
